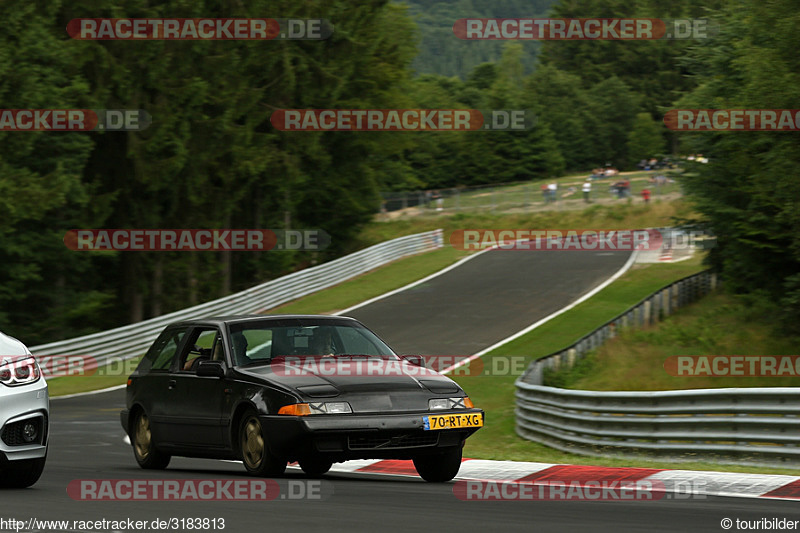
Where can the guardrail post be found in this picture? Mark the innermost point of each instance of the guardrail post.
(646, 311)
(571, 357)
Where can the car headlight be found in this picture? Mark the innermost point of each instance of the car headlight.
(19, 372)
(322, 408)
(439, 404)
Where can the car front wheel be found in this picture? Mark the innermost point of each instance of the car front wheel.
(22, 474)
(440, 467)
(254, 450)
(143, 446)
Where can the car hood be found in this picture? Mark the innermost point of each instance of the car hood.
(9, 346)
(313, 376)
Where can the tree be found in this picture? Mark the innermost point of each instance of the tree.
(645, 139)
(748, 192)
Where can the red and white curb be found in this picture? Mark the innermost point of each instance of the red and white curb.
(729, 484)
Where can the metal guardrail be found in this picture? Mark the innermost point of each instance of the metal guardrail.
(133, 340)
(755, 426)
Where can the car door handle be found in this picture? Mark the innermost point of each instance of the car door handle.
(172, 384)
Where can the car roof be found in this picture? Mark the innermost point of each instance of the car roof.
(231, 319)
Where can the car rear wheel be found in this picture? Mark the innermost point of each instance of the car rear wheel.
(315, 465)
(143, 446)
(256, 456)
(440, 467)
(22, 474)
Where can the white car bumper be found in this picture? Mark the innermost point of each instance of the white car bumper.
(20, 404)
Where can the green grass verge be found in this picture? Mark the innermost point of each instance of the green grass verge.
(717, 325)
(110, 376)
(374, 283)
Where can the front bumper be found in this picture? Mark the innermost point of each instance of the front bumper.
(376, 436)
(21, 404)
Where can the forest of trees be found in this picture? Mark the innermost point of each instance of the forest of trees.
(211, 159)
(441, 53)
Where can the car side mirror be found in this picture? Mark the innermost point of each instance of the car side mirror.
(415, 360)
(212, 369)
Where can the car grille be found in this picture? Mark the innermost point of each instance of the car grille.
(408, 440)
(12, 433)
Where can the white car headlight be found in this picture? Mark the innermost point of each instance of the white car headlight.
(438, 404)
(20, 371)
(331, 408)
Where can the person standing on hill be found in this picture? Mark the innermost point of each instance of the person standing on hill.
(587, 191)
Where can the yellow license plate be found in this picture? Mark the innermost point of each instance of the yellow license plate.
(434, 422)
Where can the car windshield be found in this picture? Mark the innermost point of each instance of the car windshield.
(262, 342)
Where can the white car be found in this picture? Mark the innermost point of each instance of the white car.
(24, 415)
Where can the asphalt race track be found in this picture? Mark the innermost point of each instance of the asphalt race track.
(486, 299)
(87, 440)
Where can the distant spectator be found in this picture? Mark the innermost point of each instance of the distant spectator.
(616, 188)
(587, 191)
(552, 192)
(646, 195)
(544, 192)
(438, 199)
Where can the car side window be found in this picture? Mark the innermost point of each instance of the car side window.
(251, 345)
(161, 354)
(200, 347)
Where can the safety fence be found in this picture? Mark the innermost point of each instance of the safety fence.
(754, 426)
(505, 196)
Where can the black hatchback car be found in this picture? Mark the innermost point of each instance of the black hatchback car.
(271, 389)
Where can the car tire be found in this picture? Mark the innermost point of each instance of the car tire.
(440, 467)
(144, 449)
(315, 465)
(22, 474)
(254, 449)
